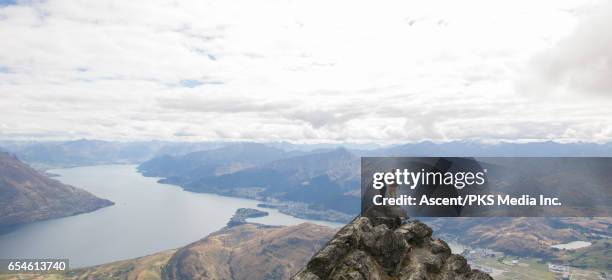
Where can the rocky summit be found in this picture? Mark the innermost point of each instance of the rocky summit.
(387, 249)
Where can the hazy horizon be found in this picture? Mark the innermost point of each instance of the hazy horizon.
(305, 142)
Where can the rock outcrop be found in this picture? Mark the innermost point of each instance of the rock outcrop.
(379, 248)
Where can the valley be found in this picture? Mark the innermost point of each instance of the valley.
(319, 184)
(147, 217)
(308, 184)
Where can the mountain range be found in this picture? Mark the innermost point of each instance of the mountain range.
(91, 152)
(51, 154)
(321, 179)
(322, 182)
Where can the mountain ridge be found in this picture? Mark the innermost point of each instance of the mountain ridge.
(27, 195)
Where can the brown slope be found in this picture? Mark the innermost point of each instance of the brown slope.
(143, 268)
(523, 236)
(27, 196)
(249, 251)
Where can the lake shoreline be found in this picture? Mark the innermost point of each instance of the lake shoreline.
(147, 217)
(291, 208)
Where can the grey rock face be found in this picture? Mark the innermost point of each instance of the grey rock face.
(378, 248)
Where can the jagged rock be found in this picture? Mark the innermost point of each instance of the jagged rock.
(417, 272)
(378, 247)
(457, 263)
(359, 265)
(307, 275)
(391, 216)
(417, 231)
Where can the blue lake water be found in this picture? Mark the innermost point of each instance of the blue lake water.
(147, 217)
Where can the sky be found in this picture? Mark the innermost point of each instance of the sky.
(306, 71)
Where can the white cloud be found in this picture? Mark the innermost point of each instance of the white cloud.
(580, 63)
(302, 70)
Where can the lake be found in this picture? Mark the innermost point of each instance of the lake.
(147, 217)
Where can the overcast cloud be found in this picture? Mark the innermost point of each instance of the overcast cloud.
(307, 71)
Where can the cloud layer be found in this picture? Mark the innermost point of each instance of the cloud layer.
(309, 71)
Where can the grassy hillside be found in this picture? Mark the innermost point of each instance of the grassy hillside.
(144, 268)
(248, 251)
